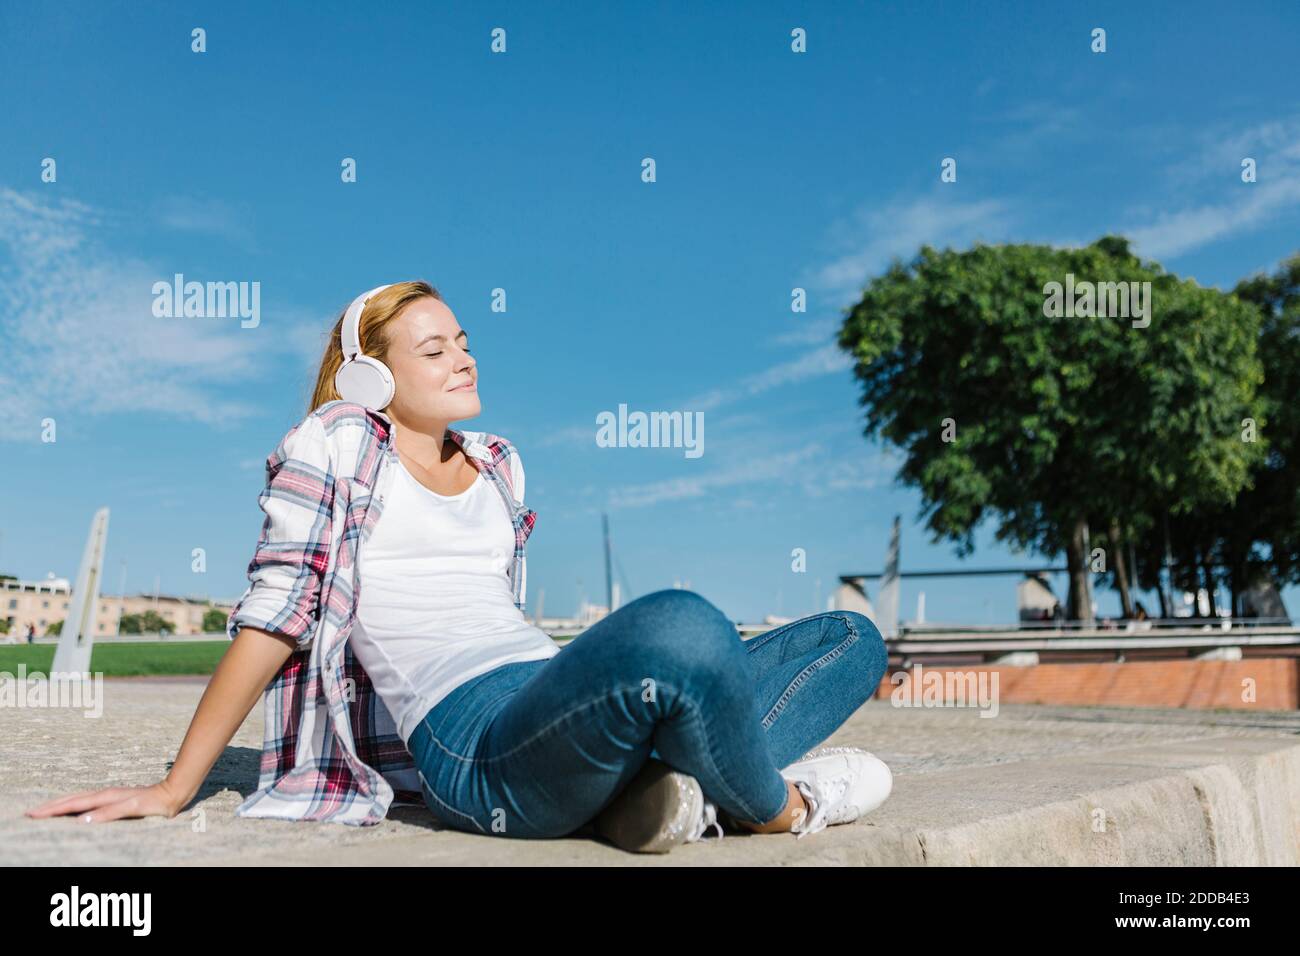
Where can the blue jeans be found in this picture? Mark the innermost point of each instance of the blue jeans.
(536, 749)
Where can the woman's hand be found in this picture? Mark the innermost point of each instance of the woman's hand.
(114, 803)
(248, 665)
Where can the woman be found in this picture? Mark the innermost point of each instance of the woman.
(385, 608)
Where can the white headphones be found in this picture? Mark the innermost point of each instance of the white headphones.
(361, 378)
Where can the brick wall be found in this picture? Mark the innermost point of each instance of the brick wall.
(1186, 683)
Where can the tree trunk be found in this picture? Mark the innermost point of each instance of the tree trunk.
(1080, 599)
(1167, 576)
(1134, 580)
(1208, 570)
(1121, 568)
(1236, 581)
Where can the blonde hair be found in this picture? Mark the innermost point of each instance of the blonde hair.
(372, 333)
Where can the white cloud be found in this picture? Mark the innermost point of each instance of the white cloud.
(81, 337)
(571, 435)
(1036, 122)
(826, 360)
(1196, 226)
(1241, 207)
(828, 461)
(878, 235)
(1218, 151)
(745, 469)
(809, 332)
(212, 217)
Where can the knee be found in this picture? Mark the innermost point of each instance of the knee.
(862, 624)
(687, 615)
(876, 653)
(678, 601)
(690, 629)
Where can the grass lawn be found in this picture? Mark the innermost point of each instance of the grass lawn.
(124, 660)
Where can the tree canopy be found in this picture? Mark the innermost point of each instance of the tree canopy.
(1052, 424)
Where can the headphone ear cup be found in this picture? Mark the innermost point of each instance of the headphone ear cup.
(365, 380)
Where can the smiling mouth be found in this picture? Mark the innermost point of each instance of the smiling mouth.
(462, 388)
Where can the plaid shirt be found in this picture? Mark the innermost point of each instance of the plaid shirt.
(331, 751)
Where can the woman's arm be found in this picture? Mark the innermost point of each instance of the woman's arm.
(251, 661)
(241, 677)
(275, 616)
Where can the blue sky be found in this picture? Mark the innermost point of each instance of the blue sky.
(523, 171)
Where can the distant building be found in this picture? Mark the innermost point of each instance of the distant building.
(42, 603)
(588, 614)
(1035, 599)
(851, 595)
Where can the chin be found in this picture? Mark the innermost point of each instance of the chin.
(465, 406)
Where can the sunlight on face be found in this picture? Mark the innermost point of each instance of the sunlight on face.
(429, 354)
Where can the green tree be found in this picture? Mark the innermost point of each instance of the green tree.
(149, 622)
(1261, 533)
(1054, 424)
(214, 619)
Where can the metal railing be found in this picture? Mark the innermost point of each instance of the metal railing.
(1112, 624)
(1174, 638)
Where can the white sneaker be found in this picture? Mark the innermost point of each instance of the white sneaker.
(661, 808)
(840, 784)
(707, 820)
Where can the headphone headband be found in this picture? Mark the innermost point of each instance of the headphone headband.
(350, 332)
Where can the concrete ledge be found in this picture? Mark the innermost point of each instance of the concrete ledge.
(1032, 786)
(1213, 802)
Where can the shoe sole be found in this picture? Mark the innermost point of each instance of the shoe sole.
(653, 812)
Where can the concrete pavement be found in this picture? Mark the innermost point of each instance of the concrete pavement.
(1034, 785)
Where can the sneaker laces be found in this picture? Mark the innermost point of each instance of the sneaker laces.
(820, 795)
(708, 819)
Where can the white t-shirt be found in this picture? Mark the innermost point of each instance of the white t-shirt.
(435, 605)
